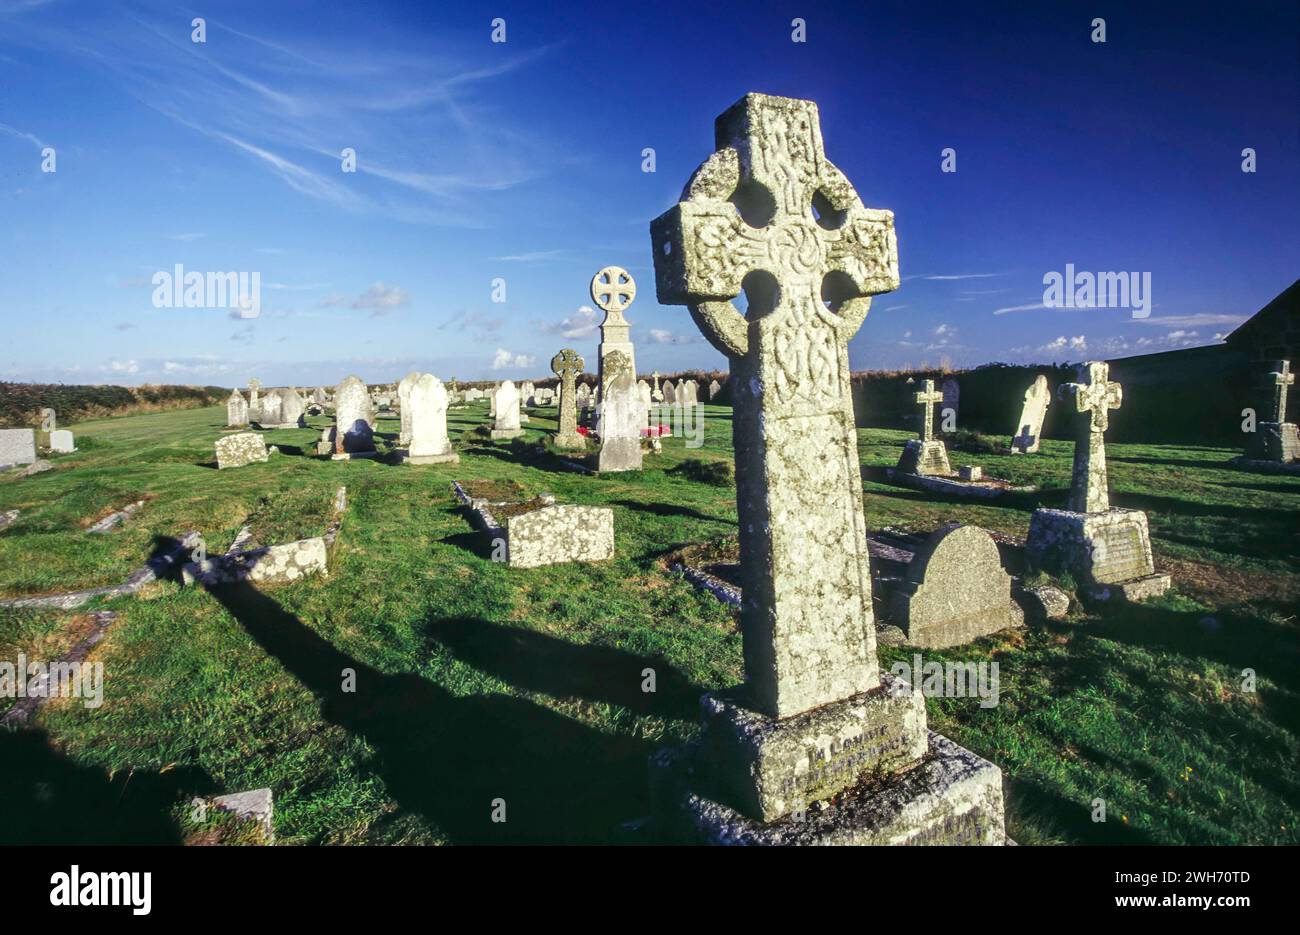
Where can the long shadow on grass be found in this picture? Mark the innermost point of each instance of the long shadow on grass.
(535, 661)
(46, 798)
(667, 509)
(452, 758)
(1069, 819)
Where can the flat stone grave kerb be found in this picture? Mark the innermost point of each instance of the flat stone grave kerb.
(283, 563)
(114, 519)
(985, 487)
(159, 566)
(24, 708)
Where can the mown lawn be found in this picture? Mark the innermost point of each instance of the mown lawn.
(476, 684)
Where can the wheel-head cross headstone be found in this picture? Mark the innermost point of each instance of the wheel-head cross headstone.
(768, 214)
(613, 289)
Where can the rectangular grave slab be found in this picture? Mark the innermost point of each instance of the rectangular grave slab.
(240, 449)
(562, 533)
(17, 446)
(61, 442)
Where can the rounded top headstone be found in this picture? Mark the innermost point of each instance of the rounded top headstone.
(613, 289)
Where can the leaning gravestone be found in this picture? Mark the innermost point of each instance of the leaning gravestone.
(956, 590)
(17, 446)
(239, 450)
(426, 399)
(1107, 550)
(403, 397)
(714, 389)
(670, 392)
(236, 410)
(506, 403)
(1030, 427)
(925, 455)
(567, 365)
(353, 435)
(620, 417)
(815, 715)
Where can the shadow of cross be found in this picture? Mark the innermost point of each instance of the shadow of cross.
(768, 214)
(1095, 396)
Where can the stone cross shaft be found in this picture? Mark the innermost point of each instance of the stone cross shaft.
(1095, 397)
(1282, 378)
(769, 215)
(567, 365)
(927, 398)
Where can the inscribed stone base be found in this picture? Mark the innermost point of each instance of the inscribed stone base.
(1132, 591)
(619, 454)
(1096, 548)
(506, 433)
(951, 796)
(921, 457)
(350, 455)
(1273, 441)
(768, 767)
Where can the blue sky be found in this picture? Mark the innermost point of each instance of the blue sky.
(522, 160)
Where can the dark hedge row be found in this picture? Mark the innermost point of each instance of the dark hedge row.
(21, 403)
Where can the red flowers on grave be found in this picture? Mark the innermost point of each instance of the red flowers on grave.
(657, 431)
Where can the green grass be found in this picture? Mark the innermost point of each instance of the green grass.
(476, 682)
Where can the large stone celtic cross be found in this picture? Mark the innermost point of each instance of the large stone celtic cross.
(1090, 487)
(769, 215)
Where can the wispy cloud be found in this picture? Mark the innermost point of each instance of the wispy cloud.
(381, 299)
(21, 135)
(534, 257)
(1018, 308)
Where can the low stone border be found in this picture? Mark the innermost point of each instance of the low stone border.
(728, 593)
(274, 564)
(158, 567)
(23, 710)
(256, 805)
(112, 520)
(987, 488)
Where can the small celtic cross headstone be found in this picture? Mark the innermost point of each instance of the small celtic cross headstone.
(926, 399)
(567, 365)
(1095, 397)
(768, 214)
